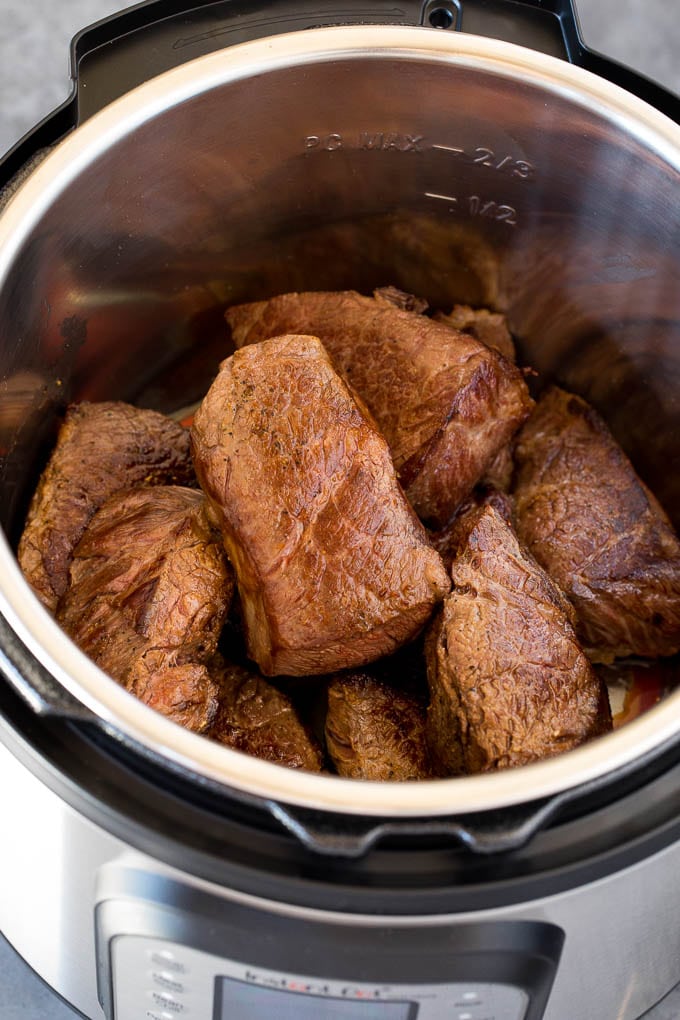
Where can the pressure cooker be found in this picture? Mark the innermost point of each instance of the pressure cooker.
(463, 150)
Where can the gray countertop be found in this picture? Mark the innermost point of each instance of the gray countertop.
(34, 79)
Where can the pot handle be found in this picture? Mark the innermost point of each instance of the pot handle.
(483, 833)
(34, 685)
(118, 53)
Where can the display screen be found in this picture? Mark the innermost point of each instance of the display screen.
(240, 1000)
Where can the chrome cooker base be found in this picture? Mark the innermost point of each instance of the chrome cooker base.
(117, 924)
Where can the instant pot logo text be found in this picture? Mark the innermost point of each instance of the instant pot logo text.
(290, 984)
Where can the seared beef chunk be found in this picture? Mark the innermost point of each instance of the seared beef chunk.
(333, 568)
(448, 540)
(254, 717)
(445, 402)
(149, 589)
(187, 694)
(375, 731)
(489, 327)
(101, 448)
(598, 531)
(509, 683)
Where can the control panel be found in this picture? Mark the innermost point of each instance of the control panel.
(167, 950)
(160, 980)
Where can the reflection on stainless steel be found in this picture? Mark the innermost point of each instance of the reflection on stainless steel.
(457, 168)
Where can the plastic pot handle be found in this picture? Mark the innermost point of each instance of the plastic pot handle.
(114, 55)
(120, 52)
(483, 834)
(40, 691)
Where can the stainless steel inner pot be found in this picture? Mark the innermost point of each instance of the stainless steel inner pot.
(456, 167)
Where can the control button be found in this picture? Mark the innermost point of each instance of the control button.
(168, 1003)
(166, 959)
(465, 1016)
(167, 980)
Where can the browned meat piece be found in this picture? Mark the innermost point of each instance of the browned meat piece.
(445, 402)
(448, 540)
(101, 448)
(509, 683)
(375, 731)
(186, 694)
(255, 717)
(149, 589)
(598, 531)
(489, 327)
(333, 568)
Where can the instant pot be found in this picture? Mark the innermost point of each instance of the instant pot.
(212, 153)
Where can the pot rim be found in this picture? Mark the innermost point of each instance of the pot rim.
(118, 711)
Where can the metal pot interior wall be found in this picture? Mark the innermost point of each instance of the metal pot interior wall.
(448, 181)
(445, 174)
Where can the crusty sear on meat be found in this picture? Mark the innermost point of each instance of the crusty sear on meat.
(445, 402)
(255, 717)
(598, 531)
(333, 567)
(187, 694)
(150, 587)
(491, 328)
(509, 682)
(375, 731)
(101, 448)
